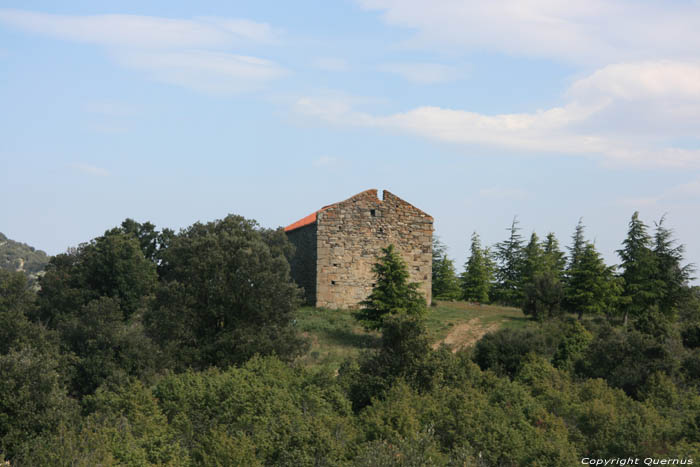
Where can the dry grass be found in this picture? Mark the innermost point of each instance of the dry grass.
(335, 335)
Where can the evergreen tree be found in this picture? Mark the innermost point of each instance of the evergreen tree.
(478, 273)
(578, 244)
(592, 287)
(509, 255)
(392, 293)
(640, 270)
(445, 284)
(553, 256)
(672, 276)
(541, 277)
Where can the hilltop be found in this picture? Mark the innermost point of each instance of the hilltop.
(17, 256)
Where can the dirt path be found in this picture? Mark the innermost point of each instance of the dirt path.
(466, 334)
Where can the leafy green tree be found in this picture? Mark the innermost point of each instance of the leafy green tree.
(106, 346)
(109, 266)
(33, 398)
(392, 294)
(591, 287)
(640, 270)
(477, 277)
(225, 295)
(509, 256)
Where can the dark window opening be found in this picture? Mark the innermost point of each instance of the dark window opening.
(332, 282)
(373, 213)
(335, 265)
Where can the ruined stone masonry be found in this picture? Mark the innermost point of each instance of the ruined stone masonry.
(337, 246)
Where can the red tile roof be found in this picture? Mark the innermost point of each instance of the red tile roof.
(310, 219)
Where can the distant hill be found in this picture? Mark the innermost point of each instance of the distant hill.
(16, 256)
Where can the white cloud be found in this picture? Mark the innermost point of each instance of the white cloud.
(211, 72)
(591, 122)
(331, 64)
(141, 31)
(91, 170)
(422, 73)
(594, 31)
(189, 53)
(325, 161)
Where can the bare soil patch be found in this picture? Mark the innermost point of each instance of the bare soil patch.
(466, 334)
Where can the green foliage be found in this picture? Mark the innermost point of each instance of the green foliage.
(673, 276)
(626, 358)
(572, 347)
(504, 351)
(284, 416)
(640, 270)
(107, 346)
(33, 397)
(591, 288)
(392, 294)
(445, 285)
(509, 256)
(225, 296)
(109, 266)
(477, 278)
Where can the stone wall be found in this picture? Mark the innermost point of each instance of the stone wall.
(303, 263)
(350, 236)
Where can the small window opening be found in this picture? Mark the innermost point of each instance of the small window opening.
(373, 213)
(332, 282)
(335, 265)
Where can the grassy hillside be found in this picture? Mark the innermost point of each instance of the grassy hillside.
(336, 335)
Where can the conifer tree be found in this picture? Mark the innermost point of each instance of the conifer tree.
(640, 270)
(592, 287)
(672, 275)
(509, 255)
(478, 273)
(553, 256)
(392, 293)
(541, 277)
(445, 284)
(578, 243)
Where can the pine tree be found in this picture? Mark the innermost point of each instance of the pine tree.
(509, 255)
(392, 293)
(541, 277)
(445, 284)
(672, 276)
(478, 273)
(554, 258)
(592, 287)
(578, 243)
(640, 270)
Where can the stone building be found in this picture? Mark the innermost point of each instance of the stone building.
(337, 246)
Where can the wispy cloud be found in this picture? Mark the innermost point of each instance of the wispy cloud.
(599, 118)
(187, 52)
(141, 31)
(91, 170)
(211, 72)
(594, 31)
(422, 73)
(331, 64)
(326, 161)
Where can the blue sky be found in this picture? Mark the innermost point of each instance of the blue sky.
(175, 112)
